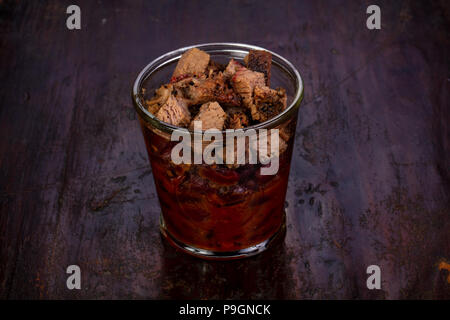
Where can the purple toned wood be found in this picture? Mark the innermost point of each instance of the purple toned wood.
(370, 175)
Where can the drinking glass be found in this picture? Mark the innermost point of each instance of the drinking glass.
(219, 211)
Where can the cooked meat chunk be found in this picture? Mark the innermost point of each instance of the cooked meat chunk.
(161, 96)
(237, 121)
(237, 118)
(193, 61)
(174, 111)
(267, 103)
(179, 78)
(260, 61)
(200, 87)
(231, 68)
(214, 69)
(199, 91)
(211, 115)
(244, 82)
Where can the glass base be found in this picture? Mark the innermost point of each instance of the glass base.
(222, 255)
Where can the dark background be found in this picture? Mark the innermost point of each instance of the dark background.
(370, 176)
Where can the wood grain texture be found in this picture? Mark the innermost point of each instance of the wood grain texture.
(370, 178)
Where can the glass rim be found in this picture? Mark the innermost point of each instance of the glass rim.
(174, 55)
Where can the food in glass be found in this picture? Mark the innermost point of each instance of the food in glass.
(223, 202)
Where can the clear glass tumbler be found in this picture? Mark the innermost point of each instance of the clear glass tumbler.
(218, 211)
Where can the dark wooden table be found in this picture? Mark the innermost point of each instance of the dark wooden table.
(369, 183)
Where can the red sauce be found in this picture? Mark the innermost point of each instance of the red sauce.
(214, 207)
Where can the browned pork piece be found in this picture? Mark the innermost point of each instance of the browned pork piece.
(211, 116)
(231, 68)
(214, 69)
(260, 61)
(200, 90)
(267, 103)
(244, 82)
(174, 111)
(237, 118)
(199, 81)
(193, 61)
(161, 96)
